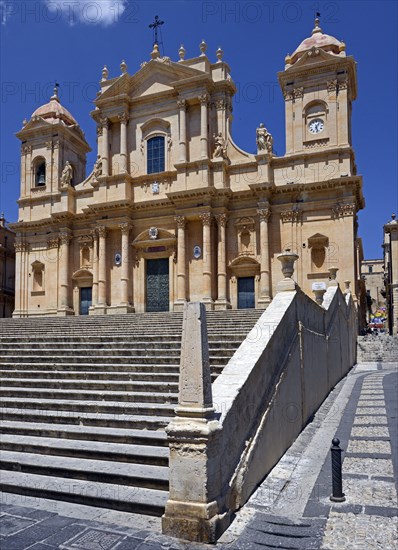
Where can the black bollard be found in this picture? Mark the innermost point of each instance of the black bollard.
(337, 483)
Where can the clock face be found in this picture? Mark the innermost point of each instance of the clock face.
(316, 126)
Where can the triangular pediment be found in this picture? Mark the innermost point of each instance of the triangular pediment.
(315, 56)
(154, 77)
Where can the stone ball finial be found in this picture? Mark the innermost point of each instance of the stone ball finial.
(219, 54)
(288, 59)
(25, 121)
(123, 67)
(105, 73)
(181, 52)
(155, 52)
(203, 47)
(342, 47)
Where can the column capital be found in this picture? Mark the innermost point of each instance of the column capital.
(222, 219)
(21, 246)
(64, 237)
(204, 98)
(180, 221)
(123, 117)
(181, 103)
(205, 218)
(125, 227)
(102, 230)
(220, 104)
(264, 213)
(104, 121)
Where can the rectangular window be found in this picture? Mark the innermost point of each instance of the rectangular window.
(155, 155)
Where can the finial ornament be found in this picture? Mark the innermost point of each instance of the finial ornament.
(317, 28)
(203, 47)
(55, 95)
(123, 67)
(105, 73)
(219, 54)
(155, 52)
(155, 26)
(181, 52)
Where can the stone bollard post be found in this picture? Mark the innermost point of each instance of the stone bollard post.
(192, 511)
(332, 276)
(337, 482)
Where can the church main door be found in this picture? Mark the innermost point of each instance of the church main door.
(157, 285)
(246, 292)
(85, 300)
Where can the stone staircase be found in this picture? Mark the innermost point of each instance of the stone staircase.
(380, 348)
(85, 401)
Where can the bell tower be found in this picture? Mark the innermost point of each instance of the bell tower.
(51, 140)
(319, 84)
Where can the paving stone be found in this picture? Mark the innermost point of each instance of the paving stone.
(371, 410)
(93, 539)
(370, 447)
(369, 431)
(369, 492)
(10, 524)
(360, 532)
(372, 420)
(65, 534)
(372, 466)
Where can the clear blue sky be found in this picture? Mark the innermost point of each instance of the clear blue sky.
(43, 41)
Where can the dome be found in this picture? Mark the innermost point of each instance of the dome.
(54, 110)
(318, 40)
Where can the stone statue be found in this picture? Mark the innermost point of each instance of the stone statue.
(264, 139)
(67, 175)
(220, 150)
(98, 167)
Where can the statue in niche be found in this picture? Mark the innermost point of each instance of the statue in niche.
(97, 172)
(67, 175)
(264, 139)
(220, 149)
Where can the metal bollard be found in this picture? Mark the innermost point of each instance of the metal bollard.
(337, 483)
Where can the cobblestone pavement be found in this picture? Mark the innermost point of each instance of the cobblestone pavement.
(290, 510)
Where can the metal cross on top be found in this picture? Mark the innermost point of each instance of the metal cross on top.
(157, 23)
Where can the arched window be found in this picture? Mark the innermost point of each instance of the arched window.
(155, 155)
(40, 173)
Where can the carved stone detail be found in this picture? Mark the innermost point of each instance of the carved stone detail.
(205, 218)
(64, 237)
(180, 221)
(53, 242)
(203, 99)
(123, 117)
(343, 209)
(220, 104)
(104, 122)
(298, 93)
(222, 219)
(101, 230)
(295, 215)
(264, 214)
(125, 228)
(21, 246)
(181, 103)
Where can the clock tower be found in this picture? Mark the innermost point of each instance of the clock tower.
(319, 84)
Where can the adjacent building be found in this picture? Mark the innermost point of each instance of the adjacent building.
(174, 209)
(390, 247)
(7, 269)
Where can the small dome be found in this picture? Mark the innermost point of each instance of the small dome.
(318, 40)
(54, 110)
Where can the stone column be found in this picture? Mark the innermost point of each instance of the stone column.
(222, 302)
(21, 249)
(123, 142)
(204, 150)
(102, 270)
(264, 213)
(181, 265)
(105, 146)
(63, 265)
(183, 130)
(95, 267)
(207, 274)
(125, 305)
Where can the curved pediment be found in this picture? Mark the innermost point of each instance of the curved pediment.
(82, 274)
(154, 236)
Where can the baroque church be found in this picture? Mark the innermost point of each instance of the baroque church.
(174, 210)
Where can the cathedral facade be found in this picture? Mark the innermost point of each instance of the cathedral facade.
(174, 210)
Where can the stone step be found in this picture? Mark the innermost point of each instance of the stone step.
(146, 387)
(94, 450)
(86, 433)
(76, 406)
(102, 471)
(141, 397)
(222, 356)
(102, 379)
(87, 418)
(107, 347)
(91, 367)
(163, 352)
(136, 500)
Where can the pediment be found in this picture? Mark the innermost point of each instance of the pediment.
(154, 237)
(154, 77)
(313, 57)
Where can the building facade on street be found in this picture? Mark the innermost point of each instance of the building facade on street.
(390, 247)
(7, 269)
(174, 210)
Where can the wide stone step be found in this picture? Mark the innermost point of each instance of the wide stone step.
(136, 500)
(94, 396)
(104, 346)
(102, 379)
(83, 418)
(76, 406)
(147, 387)
(103, 471)
(220, 356)
(94, 450)
(91, 367)
(86, 433)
